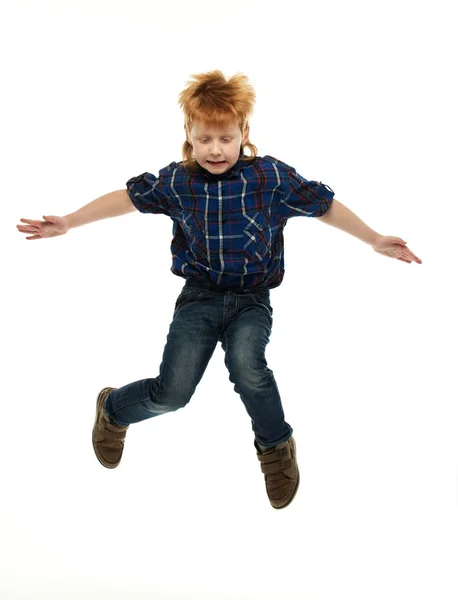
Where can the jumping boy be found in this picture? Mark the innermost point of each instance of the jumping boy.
(228, 211)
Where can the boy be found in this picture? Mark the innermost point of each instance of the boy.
(229, 211)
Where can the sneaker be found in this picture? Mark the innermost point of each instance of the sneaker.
(281, 473)
(107, 438)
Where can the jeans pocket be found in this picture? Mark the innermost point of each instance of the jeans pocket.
(262, 299)
(185, 297)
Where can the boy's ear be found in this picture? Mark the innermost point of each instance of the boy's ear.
(246, 135)
(188, 136)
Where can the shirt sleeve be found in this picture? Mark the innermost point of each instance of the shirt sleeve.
(147, 194)
(302, 197)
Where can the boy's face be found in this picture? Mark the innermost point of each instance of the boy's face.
(216, 149)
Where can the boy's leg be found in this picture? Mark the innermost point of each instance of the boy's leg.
(191, 342)
(244, 342)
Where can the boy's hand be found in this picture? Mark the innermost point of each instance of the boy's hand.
(395, 247)
(50, 227)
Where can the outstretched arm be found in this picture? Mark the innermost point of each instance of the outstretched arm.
(338, 215)
(113, 204)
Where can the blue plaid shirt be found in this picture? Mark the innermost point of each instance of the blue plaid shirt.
(228, 228)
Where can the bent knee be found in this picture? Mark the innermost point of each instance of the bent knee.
(249, 372)
(174, 399)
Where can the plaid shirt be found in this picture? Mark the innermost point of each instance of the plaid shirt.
(228, 228)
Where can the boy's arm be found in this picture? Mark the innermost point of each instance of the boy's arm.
(113, 204)
(338, 215)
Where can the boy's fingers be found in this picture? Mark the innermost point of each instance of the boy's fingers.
(31, 221)
(409, 254)
(26, 229)
(412, 256)
(409, 257)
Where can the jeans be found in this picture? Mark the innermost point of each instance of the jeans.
(205, 315)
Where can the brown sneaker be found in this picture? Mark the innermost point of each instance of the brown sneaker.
(281, 473)
(107, 439)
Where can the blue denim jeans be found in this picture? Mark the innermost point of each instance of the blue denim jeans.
(205, 315)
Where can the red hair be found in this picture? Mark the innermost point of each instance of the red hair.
(215, 100)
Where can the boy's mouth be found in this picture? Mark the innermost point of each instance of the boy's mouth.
(219, 162)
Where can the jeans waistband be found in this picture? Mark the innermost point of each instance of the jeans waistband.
(209, 285)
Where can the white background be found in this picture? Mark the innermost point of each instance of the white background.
(359, 95)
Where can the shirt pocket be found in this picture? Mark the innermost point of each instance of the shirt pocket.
(256, 235)
(195, 233)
